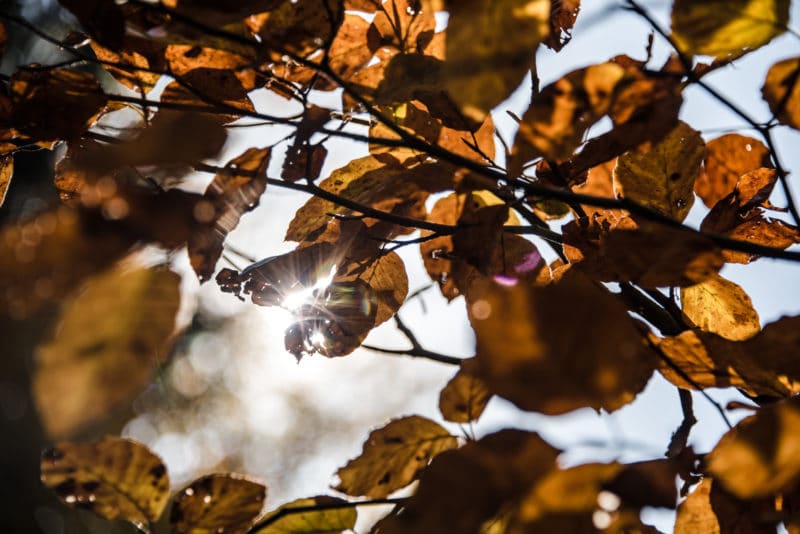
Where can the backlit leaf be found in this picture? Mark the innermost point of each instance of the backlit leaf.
(112, 335)
(526, 346)
(782, 91)
(760, 456)
(326, 519)
(727, 158)
(661, 175)
(711, 509)
(135, 53)
(563, 14)
(721, 307)
(394, 456)
(464, 397)
(6, 172)
(725, 27)
(217, 503)
(115, 478)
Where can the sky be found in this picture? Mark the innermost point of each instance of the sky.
(234, 399)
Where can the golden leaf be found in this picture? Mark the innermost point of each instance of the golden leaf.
(782, 91)
(394, 456)
(115, 478)
(6, 172)
(464, 397)
(721, 307)
(710, 509)
(328, 519)
(217, 503)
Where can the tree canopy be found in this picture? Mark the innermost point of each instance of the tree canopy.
(601, 173)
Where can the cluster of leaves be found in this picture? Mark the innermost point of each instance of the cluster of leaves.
(550, 338)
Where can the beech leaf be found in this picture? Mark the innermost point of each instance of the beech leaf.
(328, 518)
(394, 456)
(217, 503)
(721, 307)
(709, 508)
(112, 334)
(464, 397)
(115, 478)
(782, 91)
(727, 158)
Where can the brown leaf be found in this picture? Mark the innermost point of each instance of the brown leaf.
(600, 183)
(112, 334)
(55, 104)
(394, 456)
(563, 14)
(612, 249)
(102, 18)
(711, 509)
(758, 457)
(135, 53)
(329, 520)
(720, 307)
(464, 488)
(727, 27)
(115, 478)
(6, 173)
(229, 196)
(218, 90)
(464, 397)
(526, 345)
(662, 175)
(727, 158)
(782, 91)
(405, 26)
(217, 503)
(297, 27)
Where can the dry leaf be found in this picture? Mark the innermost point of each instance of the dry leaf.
(115, 478)
(332, 520)
(563, 14)
(727, 158)
(113, 334)
(6, 172)
(394, 456)
(721, 307)
(710, 509)
(464, 397)
(782, 91)
(215, 504)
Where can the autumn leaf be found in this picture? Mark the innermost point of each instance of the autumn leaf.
(464, 397)
(394, 456)
(727, 28)
(217, 503)
(112, 335)
(464, 488)
(727, 158)
(525, 346)
(662, 175)
(405, 26)
(563, 14)
(115, 478)
(134, 62)
(711, 509)
(315, 515)
(6, 173)
(782, 91)
(102, 18)
(721, 307)
(758, 457)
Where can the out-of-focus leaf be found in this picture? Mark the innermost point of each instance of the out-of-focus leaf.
(115, 478)
(215, 504)
(727, 158)
(490, 47)
(563, 14)
(44, 258)
(782, 91)
(740, 216)
(297, 27)
(766, 364)
(727, 27)
(464, 397)
(135, 53)
(662, 175)
(55, 104)
(218, 90)
(721, 307)
(405, 26)
(102, 18)
(6, 172)
(526, 346)
(759, 456)
(322, 521)
(229, 196)
(618, 249)
(112, 335)
(464, 488)
(394, 456)
(711, 509)
(561, 113)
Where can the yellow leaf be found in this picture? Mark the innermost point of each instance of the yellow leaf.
(464, 397)
(727, 27)
(393, 457)
(761, 455)
(115, 478)
(112, 335)
(782, 91)
(217, 503)
(526, 345)
(662, 175)
(721, 307)
(6, 172)
(301, 517)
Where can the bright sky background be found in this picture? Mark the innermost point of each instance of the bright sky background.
(235, 393)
